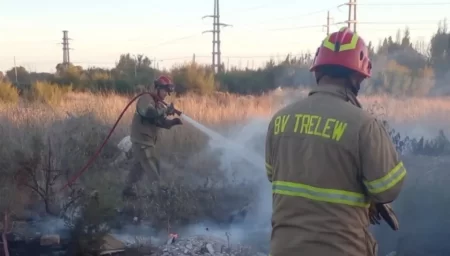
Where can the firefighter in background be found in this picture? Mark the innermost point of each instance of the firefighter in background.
(333, 166)
(151, 115)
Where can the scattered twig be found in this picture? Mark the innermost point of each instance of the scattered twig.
(228, 241)
(6, 229)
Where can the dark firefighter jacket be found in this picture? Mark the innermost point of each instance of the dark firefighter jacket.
(145, 130)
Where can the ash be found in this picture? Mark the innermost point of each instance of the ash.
(203, 245)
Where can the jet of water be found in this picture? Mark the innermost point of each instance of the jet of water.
(238, 149)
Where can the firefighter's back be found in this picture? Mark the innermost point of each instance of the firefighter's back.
(143, 131)
(318, 203)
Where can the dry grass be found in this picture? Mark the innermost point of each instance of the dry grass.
(411, 109)
(74, 139)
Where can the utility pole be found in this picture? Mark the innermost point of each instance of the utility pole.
(354, 16)
(15, 70)
(327, 26)
(135, 65)
(351, 14)
(66, 48)
(216, 52)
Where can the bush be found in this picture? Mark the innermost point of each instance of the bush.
(90, 225)
(195, 78)
(438, 146)
(8, 93)
(48, 93)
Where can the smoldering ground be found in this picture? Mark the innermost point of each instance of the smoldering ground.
(239, 168)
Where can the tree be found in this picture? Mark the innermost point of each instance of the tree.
(23, 76)
(134, 70)
(440, 51)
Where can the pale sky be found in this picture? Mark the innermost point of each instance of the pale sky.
(170, 31)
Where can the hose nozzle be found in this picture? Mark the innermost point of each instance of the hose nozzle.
(178, 112)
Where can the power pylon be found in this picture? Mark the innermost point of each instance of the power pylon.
(66, 48)
(216, 52)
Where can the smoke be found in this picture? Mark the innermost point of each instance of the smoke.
(241, 155)
(48, 225)
(421, 207)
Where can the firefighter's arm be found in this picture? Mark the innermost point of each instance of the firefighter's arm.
(146, 107)
(383, 172)
(268, 153)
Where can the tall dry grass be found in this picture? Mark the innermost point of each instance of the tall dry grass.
(76, 123)
(218, 110)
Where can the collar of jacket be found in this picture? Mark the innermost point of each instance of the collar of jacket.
(155, 97)
(339, 90)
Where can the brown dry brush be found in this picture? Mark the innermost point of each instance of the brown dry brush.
(437, 146)
(36, 173)
(43, 156)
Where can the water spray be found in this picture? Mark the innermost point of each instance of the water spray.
(242, 152)
(251, 157)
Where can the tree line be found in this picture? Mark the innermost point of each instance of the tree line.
(401, 67)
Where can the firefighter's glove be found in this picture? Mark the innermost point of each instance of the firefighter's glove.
(387, 213)
(170, 110)
(169, 123)
(374, 215)
(378, 212)
(176, 121)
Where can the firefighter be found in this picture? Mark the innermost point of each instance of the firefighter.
(151, 115)
(328, 160)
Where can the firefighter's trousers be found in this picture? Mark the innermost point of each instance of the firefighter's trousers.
(145, 160)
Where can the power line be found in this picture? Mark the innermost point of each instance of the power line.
(297, 16)
(234, 11)
(397, 22)
(175, 40)
(405, 4)
(406, 23)
(294, 28)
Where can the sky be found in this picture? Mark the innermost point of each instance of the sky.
(170, 31)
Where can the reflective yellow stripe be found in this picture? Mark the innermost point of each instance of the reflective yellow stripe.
(319, 194)
(343, 47)
(388, 181)
(269, 168)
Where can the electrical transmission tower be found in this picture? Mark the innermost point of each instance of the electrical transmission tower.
(66, 48)
(351, 14)
(216, 52)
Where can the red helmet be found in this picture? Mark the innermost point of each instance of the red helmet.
(344, 48)
(164, 82)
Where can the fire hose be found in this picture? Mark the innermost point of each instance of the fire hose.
(99, 149)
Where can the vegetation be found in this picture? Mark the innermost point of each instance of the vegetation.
(51, 124)
(401, 67)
